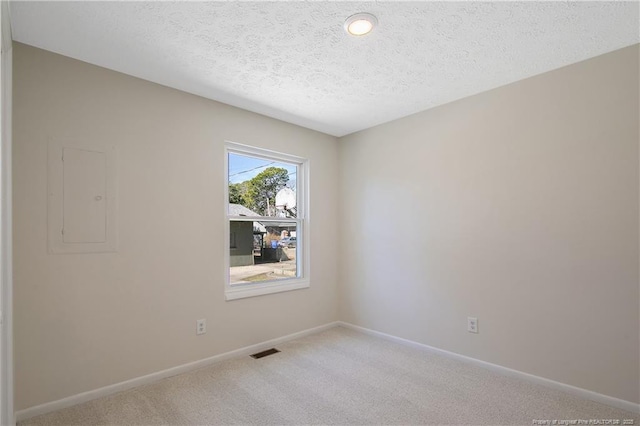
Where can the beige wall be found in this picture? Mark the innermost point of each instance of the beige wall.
(83, 321)
(518, 206)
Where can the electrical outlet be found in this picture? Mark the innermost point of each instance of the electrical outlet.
(472, 325)
(201, 326)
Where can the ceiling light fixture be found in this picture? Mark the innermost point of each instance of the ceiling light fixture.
(360, 24)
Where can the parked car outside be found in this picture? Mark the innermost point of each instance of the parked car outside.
(289, 242)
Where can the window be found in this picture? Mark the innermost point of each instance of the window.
(266, 245)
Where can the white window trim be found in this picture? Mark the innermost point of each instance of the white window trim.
(240, 291)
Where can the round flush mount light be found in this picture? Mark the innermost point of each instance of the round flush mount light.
(360, 24)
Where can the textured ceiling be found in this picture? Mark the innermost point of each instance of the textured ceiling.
(293, 60)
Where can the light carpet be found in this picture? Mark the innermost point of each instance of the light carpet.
(339, 376)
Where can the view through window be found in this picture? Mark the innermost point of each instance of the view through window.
(265, 217)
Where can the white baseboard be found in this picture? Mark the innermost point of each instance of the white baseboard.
(153, 377)
(573, 390)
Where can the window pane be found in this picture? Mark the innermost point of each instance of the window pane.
(262, 251)
(261, 187)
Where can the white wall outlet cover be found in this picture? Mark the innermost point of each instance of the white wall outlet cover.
(201, 326)
(472, 325)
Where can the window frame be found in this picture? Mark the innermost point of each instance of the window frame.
(243, 290)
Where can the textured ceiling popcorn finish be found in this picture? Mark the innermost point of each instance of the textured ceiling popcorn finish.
(294, 61)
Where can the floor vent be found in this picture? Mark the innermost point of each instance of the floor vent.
(265, 353)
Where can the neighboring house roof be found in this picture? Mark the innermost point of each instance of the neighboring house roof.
(240, 210)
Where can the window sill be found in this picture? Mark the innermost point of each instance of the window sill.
(252, 290)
